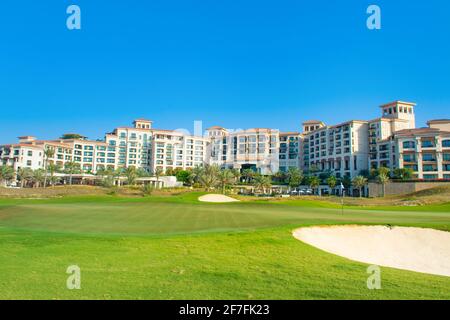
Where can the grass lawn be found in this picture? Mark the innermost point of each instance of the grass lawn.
(173, 247)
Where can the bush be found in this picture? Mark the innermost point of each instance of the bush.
(147, 189)
(114, 190)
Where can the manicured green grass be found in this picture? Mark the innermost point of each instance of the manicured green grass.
(176, 248)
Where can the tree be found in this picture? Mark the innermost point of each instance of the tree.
(314, 182)
(225, 177)
(38, 177)
(294, 177)
(72, 168)
(383, 170)
(262, 182)
(24, 175)
(359, 182)
(280, 176)
(196, 174)
(147, 189)
(6, 174)
(248, 175)
(403, 174)
(52, 169)
(331, 182)
(158, 173)
(131, 174)
(184, 176)
(142, 173)
(209, 177)
(236, 173)
(382, 179)
(48, 153)
(70, 136)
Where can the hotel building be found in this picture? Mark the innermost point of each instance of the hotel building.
(345, 149)
(257, 149)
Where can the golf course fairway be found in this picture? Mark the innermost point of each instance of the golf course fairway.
(175, 247)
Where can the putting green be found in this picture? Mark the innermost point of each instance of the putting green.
(178, 248)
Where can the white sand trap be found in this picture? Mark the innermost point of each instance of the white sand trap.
(218, 198)
(415, 249)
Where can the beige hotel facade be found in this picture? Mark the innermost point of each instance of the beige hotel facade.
(345, 149)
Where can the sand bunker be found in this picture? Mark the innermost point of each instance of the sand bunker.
(415, 249)
(218, 198)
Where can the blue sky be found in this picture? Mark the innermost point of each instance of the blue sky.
(232, 63)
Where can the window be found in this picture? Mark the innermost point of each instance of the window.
(446, 143)
(30, 153)
(409, 158)
(409, 144)
(29, 163)
(428, 157)
(427, 144)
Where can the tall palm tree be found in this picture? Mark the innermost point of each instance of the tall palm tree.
(72, 168)
(131, 175)
(24, 175)
(236, 173)
(197, 172)
(314, 182)
(48, 153)
(38, 177)
(262, 182)
(359, 182)
(52, 169)
(6, 174)
(209, 177)
(294, 177)
(248, 175)
(158, 173)
(383, 179)
(332, 182)
(225, 177)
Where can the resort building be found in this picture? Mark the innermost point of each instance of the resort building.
(289, 154)
(341, 149)
(257, 149)
(344, 150)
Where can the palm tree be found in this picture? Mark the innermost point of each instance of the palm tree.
(6, 174)
(236, 173)
(131, 175)
(295, 177)
(24, 175)
(158, 173)
(225, 177)
(52, 169)
(262, 182)
(197, 173)
(209, 177)
(38, 177)
(248, 175)
(332, 182)
(72, 168)
(48, 153)
(359, 182)
(280, 176)
(314, 182)
(382, 179)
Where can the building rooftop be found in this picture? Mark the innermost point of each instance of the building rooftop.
(143, 120)
(419, 131)
(398, 102)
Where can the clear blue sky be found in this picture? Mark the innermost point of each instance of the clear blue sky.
(235, 63)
